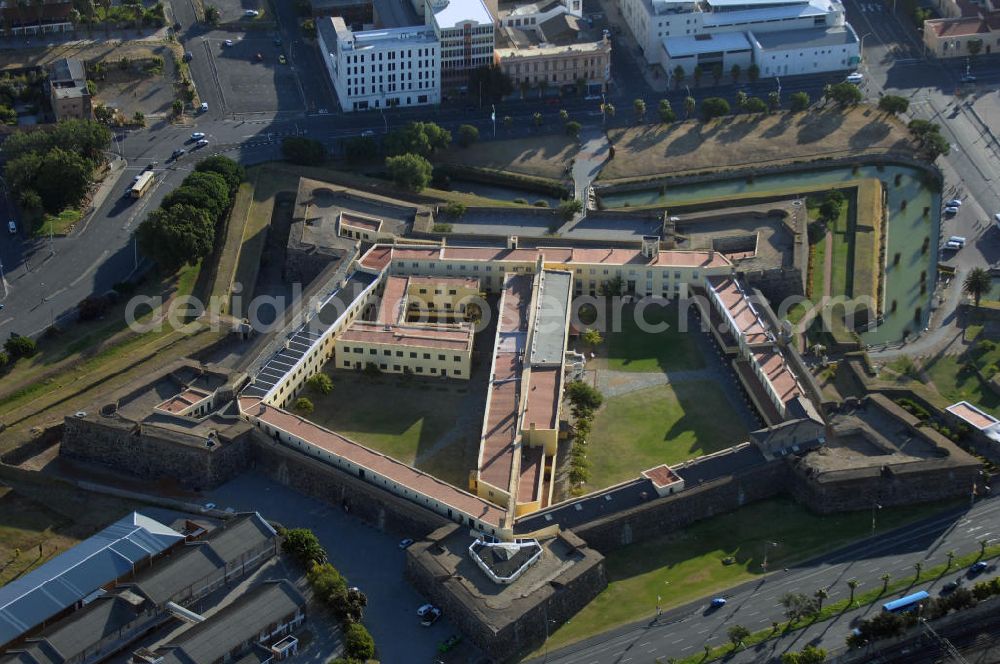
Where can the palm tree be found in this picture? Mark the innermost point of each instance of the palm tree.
(741, 100)
(697, 76)
(564, 115)
(982, 546)
(538, 119)
(885, 582)
(678, 76)
(820, 595)
(639, 106)
(918, 566)
(977, 283)
(689, 106)
(735, 72)
(737, 634)
(951, 557)
(717, 73)
(853, 585)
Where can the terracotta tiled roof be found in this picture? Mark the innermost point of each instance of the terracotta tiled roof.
(543, 398)
(772, 363)
(747, 321)
(972, 415)
(661, 475)
(183, 400)
(394, 471)
(422, 336)
(392, 296)
(958, 27)
(529, 483)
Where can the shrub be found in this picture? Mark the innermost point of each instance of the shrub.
(92, 307)
(303, 545)
(4, 359)
(409, 171)
(18, 346)
(303, 405)
(584, 395)
(321, 383)
(541, 203)
(467, 135)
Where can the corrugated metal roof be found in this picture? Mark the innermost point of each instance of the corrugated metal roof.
(71, 576)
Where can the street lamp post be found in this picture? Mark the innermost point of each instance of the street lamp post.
(763, 563)
(3, 281)
(861, 46)
(778, 79)
(493, 118)
(875, 508)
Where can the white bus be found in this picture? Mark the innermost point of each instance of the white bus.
(142, 185)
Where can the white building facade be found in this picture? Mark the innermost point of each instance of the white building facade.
(707, 33)
(466, 33)
(376, 69)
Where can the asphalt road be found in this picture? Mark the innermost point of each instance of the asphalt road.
(686, 630)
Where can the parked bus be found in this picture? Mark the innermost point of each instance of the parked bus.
(142, 185)
(907, 603)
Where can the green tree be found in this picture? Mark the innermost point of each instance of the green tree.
(358, 643)
(570, 208)
(410, 171)
(756, 105)
(820, 595)
(467, 135)
(420, 138)
(211, 15)
(303, 545)
(320, 382)
(853, 585)
(176, 107)
(309, 27)
(592, 337)
(573, 128)
(303, 405)
(893, 104)
(809, 655)
(753, 73)
(737, 634)
(328, 585)
(689, 106)
(885, 581)
(666, 111)
(564, 115)
(977, 283)
(584, 395)
(717, 73)
(735, 72)
(175, 236)
(639, 107)
(773, 100)
(936, 145)
(846, 94)
(490, 83)
(609, 110)
(799, 101)
(613, 287)
(302, 150)
(61, 177)
(951, 554)
(537, 119)
(742, 99)
(714, 107)
(983, 543)
(832, 205)
(230, 170)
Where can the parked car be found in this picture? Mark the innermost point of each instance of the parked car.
(201, 144)
(978, 568)
(12, 227)
(251, 13)
(951, 210)
(951, 586)
(227, 43)
(204, 107)
(282, 60)
(431, 617)
(968, 78)
(259, 57)
(718, 602)
(855, 77)
(197, 136)
(188, 56)
(405, 543)
(368, 133)
(151, 165)
(177, 154)
(955, 202)
(424, 610)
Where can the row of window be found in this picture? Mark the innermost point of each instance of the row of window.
(388, 353)
(354, 70)
(392, 87)
(416, 369)
(390, 55)
(390, 102)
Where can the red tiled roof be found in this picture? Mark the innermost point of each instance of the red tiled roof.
(377, 257)
(185, 399)
(735, 301)
(392, 295)
(957, 27)
(529, 483)
(661, 475)
(972, 415)
(422, 336)
(360, 222)
(772, 363)
(465, 282)
(395, 471)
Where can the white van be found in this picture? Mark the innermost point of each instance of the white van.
(952, 246)
(957, 239)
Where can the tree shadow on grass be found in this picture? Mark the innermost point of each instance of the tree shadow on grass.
(737, 131)
(814, 127)
(778, 128)
(687, 142)
(871, 134)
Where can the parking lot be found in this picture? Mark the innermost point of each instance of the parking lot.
(234, 12)
(250, 75)
(370, 559)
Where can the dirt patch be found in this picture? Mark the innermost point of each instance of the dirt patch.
(541, 156)
(751, 141)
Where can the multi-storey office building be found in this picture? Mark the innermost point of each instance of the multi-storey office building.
(465, 30)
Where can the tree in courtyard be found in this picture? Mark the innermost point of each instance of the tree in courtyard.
(321, 383)
(737, 634)
(799, 101)
(893, 104)
(592, 337)
(613, 287)
(977, 283)
(303, 545)
(409, 171)
(584, 396)
(714, 107)
(832, 205)
(666, 112)
(303, 405)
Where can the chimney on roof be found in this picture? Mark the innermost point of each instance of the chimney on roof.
(711, 254)
(650, 245)
(512, 242)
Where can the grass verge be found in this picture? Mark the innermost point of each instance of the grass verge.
(686, 565)
(59, 224)
(640, 350)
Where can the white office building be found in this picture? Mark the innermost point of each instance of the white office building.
(381, 68)
(706, 33)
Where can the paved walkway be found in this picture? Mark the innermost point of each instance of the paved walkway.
(944, 335)
(828, 264)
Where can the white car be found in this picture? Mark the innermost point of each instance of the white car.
(251, 13)
(855, 77)
(197, 136)
(996, 218)
(424, 610)
(954, 203)
(204, 107)
(202, 143)
(12, 226)
(951, 210)
(228, 42)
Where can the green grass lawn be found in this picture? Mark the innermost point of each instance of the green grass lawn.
(685, 565)
(632, 349)
(955, 384)
(58, 224)
(419, 415)
(663, 424)
(817, 257)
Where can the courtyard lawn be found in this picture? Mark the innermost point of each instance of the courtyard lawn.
(954, 383)
(685, 565)
(403, 421)
(633, 349)
(662, 424)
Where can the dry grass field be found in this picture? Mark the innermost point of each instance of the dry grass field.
(540, 156)
(751, 140)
